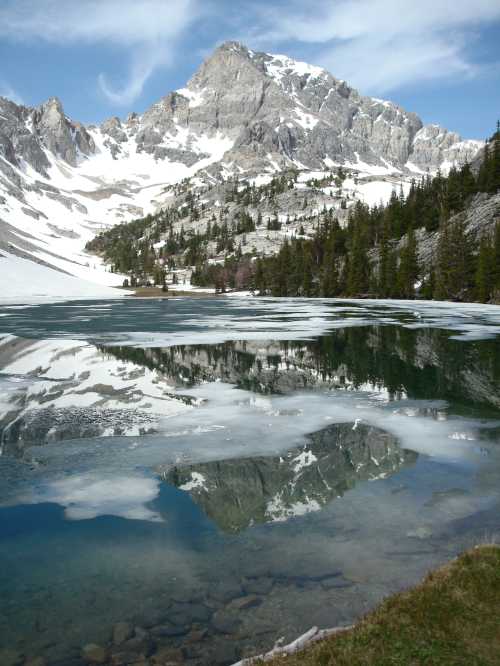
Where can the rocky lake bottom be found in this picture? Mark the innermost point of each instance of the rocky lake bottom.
(190, 481)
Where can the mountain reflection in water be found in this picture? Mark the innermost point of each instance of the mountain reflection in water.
(239, 493)
(397, 362)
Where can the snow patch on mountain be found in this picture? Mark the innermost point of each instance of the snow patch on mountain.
(281, 65)
(195, 97)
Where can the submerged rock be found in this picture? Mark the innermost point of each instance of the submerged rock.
(11, 658)
(168, 655)
(94, 654)
(262, 585)
(36, 661)
(122, 631)
(169, 630)
(226, 621)
(250, 601)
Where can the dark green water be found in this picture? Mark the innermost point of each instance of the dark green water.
(222, 473)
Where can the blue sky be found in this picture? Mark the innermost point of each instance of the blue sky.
(439, 58)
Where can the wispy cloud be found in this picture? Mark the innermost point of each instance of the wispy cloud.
(380, 45)
(377, 45)
(6, 90)
(148, 29)
(144, 61)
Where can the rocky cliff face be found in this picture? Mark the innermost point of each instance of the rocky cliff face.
(260, 104)
(275, 109)
(27, 134)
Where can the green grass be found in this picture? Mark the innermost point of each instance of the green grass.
(451, 619)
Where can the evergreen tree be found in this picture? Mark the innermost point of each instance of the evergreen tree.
(428, 288)
(454, 263)
(383, 270)
(483, 179)
(496, 262)
(357, 278)
(494, 180)
(484, 272)
(392, 271)
(307, 279)
(408, 267)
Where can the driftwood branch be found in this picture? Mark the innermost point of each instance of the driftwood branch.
(314, 634)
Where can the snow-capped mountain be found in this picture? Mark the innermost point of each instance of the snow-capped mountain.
(243, 113)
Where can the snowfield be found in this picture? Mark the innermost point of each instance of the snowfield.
(23, 281)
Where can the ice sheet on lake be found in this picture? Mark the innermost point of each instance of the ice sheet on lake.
(163, 323)
(229, 424)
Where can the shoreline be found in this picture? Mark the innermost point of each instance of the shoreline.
(450, 617)
(157, 292)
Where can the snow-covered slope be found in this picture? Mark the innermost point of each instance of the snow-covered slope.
(24, 281)
(243, 114)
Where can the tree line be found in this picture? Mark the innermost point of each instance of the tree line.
(376, 254)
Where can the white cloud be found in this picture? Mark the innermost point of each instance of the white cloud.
(6, 90)
(144, 63)
(87, 496)
(379, 45)
(148, 29)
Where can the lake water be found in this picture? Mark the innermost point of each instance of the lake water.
(223, 473)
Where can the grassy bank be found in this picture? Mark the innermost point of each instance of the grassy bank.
(451, 619)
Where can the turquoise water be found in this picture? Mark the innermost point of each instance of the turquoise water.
(225, 472)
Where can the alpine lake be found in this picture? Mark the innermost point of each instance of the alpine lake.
(191, 480)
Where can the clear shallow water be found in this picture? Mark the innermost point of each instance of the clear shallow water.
(162, 460)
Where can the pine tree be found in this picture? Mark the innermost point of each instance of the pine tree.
(408, 267)
(383, 269)
(454, 262)
(307, 280)
(484, 273)
(357, 278)
(483, 179)
(428, 289)
(297, 274)
(496, 263)
(444, 261)
(283, 271)
(392, 271)
(494, 180)
(468, 182)
(329, 276)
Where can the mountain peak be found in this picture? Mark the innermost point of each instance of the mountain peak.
(233, 45)
(54, 102)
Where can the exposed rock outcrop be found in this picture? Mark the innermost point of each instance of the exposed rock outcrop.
(27, 133)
